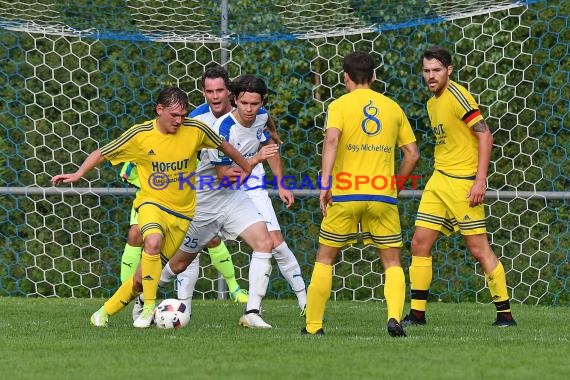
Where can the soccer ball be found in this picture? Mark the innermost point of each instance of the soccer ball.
(171, 314)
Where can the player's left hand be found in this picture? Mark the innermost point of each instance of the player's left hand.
(268, 151)
(476, 194)
(287, 197)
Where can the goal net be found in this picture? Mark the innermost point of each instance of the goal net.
(76, 74)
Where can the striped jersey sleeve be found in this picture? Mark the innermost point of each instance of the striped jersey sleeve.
(466, 108)
(213, 140)
(119, 149)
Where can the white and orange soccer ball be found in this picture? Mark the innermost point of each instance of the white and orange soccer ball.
(171, 314)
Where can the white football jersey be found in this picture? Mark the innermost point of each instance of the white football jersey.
(210, 190)
(204, 114)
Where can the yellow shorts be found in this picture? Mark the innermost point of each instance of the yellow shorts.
(379, 223)
(444, 207)
(153, 219)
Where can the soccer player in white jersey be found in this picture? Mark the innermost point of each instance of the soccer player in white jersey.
(215, 84)
(223, 207)
(255, 189)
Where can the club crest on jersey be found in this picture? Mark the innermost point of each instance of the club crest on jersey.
(259, 133)
(371, 125)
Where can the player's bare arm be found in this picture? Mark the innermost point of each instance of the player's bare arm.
(330, 146)
(230, 172)
(94, 159)
(286, 195)
(236, 157)
(485, 145)
(480, 127)
(409, 161)
(266, 151)
(272, 129)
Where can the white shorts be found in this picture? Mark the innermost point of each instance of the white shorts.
(233, 217)
(262, 202)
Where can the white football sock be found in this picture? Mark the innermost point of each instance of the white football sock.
(166, 276)
(291, 270)
(186, 281)
(259, 272)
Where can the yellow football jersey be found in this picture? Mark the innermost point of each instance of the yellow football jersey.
(372, 126)
(452, 115)
(166, 163)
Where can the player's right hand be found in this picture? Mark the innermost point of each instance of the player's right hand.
(233, 173)
(65, 178)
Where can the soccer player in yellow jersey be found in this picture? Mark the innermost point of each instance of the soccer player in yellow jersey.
(215, 87)
(363, 130)
(453, 197)
(164, 150)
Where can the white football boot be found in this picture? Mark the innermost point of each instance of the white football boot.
(253, 321)
(145, 319)
(99, 318)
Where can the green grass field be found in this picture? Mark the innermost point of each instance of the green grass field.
(52, 339)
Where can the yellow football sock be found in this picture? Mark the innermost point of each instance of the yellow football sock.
(222, 261)
(497, 282)
(318, 294)
(395, 292)
(130, 261)
(151, 267)
(120, 298)
(421, 274)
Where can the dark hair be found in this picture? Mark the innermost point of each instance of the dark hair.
(359, 66)
(247, 83)
(214, 72)
(172, 96)
(438, 53)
